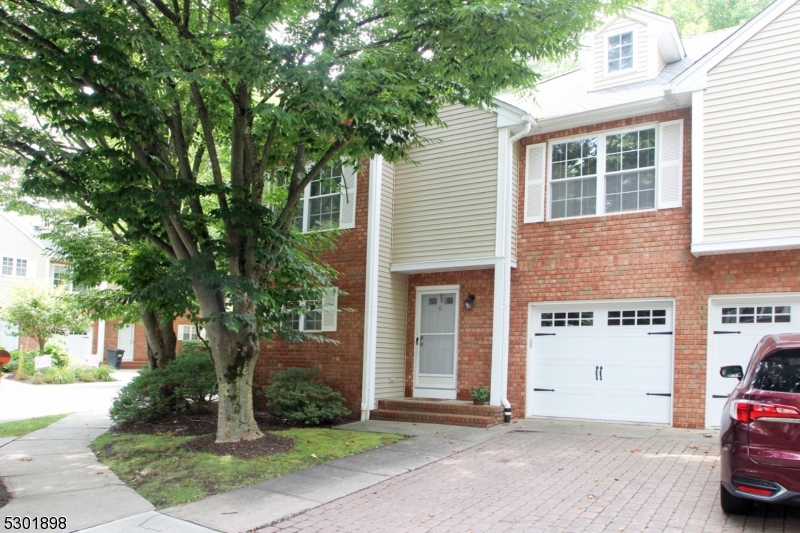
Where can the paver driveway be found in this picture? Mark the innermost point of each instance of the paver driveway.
(552, 481)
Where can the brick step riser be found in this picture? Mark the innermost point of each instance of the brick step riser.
(474, 410)
(435, 418)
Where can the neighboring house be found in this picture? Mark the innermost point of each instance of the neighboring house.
(24, 260)
(619, 234)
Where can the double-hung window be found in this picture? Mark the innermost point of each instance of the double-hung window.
(328, 201)
(620, 52)
(61, 276)
(188, 332)
(616, 171)
(318, 316)
(14, 267)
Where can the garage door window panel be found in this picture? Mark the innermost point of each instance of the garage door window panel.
(765, 314)
(567, 318)
(639, 317)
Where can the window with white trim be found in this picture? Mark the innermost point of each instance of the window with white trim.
(603, 174)
(567, 318)
(757, 314)
(620, 52)
(188, 332)
(14, 267)
(328, 201)
(61, 276)
(319, 316)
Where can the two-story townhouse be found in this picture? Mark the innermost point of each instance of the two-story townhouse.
(593, 249)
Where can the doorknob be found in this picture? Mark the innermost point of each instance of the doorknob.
(417, 341)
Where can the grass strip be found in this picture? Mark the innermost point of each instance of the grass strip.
(167, 474)
(20, 428)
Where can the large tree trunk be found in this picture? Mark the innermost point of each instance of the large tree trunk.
(161, 340)
(235, 356)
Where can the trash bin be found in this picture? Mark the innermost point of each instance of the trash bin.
(115, 357)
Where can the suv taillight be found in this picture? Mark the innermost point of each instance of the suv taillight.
(747, 411)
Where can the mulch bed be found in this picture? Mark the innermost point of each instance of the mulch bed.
(204, 425)
(5, 496)
(201, 423)
(246, 449)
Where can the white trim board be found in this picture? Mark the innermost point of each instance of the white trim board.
(445, 265)
(371, 288)
(746, 245)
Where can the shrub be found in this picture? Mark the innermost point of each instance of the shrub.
(25, 363)
(58, 354)
(298, 395)
(58, 376)
(11, 366)
(186, 384)
(103, 373)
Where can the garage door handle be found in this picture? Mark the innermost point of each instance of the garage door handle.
(544, 334)
(719, 395)
(727, 332)
(659, 333)
(595, 372)
(659, 394)
(544, 390)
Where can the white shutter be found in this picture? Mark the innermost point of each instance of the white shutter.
(535, 161)
(347, 207)
(31, 272)
(330, 309)
(670, 164)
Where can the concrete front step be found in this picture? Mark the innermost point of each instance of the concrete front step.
(440, 406)
(430, 417)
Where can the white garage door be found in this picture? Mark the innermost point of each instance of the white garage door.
(736, 326)
(8, 337)
(604, 361)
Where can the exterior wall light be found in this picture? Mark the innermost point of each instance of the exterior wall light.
(469, 301)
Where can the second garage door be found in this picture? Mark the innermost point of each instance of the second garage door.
(603, 361)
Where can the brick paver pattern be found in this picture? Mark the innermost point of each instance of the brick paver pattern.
(530, 481)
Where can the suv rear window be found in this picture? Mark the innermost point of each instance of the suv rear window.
(779, 372)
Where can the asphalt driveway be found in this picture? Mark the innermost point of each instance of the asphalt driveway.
(566, 477)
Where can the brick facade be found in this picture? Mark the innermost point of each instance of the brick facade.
(339, 364)
(474, 327)
(636, 255)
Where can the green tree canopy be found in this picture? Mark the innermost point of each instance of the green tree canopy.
(42, 314)
(695, 17)
(196, 125)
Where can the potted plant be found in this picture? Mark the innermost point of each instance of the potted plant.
(480, 394)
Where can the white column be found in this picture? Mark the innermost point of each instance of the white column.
(697, 167)
(371, 299)
(502, 271)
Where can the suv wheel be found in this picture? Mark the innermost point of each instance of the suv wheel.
(733, 504)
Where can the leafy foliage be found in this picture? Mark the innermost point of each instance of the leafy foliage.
(298, 395)
(196, 127)
(695, 17)
(42, 314)
(58, 354)
(479, 393)
(186, 384)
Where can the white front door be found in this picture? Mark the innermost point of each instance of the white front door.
(735, 327)
(436, 342)
(604, 361)
(125, 342)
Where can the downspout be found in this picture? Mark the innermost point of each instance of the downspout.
(371, 288)
(530, 123)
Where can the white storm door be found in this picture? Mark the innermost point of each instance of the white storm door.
(436, 344)
(125, 342)
(735, 327)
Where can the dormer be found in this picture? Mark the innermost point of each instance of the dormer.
(630, 48)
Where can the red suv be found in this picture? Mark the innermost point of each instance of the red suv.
(760, 430)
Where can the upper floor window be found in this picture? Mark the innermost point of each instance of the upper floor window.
(620, 52)
(14, 267)
(328, 201)
(61, 276)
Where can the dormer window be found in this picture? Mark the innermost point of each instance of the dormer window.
(620, 52)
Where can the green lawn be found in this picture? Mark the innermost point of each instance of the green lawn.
(167, 474)
(20, 428)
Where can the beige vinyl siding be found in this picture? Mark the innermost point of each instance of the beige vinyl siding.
(445, 206)
(392, 302)
(752, 137)
(14, 243)
(640, 54)
(514, 199)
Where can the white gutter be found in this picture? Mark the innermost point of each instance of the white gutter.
(502, 273)
(371, 289)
